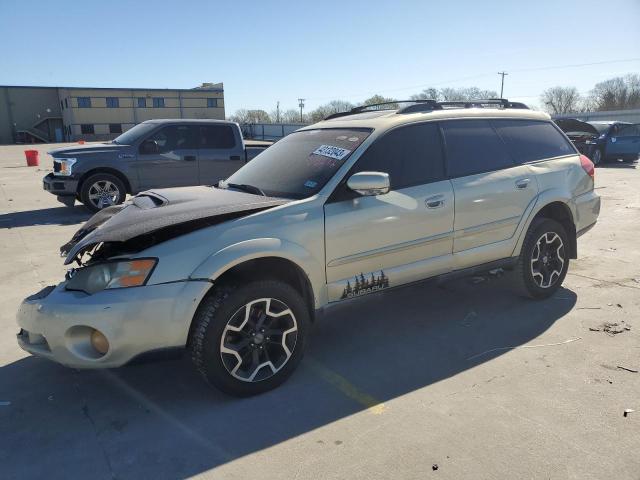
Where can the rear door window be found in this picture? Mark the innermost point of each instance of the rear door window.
(217, 136)
(411, 155)
(530, 140)
(472, 147)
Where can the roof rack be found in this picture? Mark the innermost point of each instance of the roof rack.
(429, 105)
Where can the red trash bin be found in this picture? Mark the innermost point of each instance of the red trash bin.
(32, 158)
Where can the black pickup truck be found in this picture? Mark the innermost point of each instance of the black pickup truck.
(153, 154)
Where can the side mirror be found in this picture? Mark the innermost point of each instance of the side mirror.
(149, 146)
(369, 183)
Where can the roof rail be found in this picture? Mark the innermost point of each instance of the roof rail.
(483, 103)
(429, 105)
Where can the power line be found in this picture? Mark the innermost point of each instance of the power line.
(473, 77)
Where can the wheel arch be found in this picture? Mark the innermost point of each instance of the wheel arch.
(112, 171)
(559, 211)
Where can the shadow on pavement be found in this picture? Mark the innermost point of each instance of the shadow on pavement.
(47, 216)
(159, 420)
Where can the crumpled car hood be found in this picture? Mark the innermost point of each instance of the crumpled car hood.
(573, 125)
(155, 210)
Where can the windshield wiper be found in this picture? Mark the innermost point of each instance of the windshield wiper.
(246, 188)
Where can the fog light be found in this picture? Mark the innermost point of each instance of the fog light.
(99, 342)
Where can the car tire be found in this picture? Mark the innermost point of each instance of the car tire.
(598, 156)
(544, 260)
(102, 190)
(247, 340)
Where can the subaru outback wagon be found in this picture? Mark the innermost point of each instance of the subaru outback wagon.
(360, 203)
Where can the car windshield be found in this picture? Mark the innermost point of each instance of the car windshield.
(299, 165)
(134, 133)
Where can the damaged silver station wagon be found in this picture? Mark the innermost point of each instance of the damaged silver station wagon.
(362, 202)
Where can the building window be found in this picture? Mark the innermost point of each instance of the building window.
(66, 103)
(84, 102)
(87, 129)
(113, 102)
(158, 102)
(142, 102)
(212, 102)
(115, 128)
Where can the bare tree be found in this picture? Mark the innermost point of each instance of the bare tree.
(465, 93)
(426, 94)
(334, 106)
(290, 116)
(250, 116)
(617, 93)
(558, 100)
(380, 99)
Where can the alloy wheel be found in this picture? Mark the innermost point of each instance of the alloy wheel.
(258, 340)
(104, 193)
(547, 260)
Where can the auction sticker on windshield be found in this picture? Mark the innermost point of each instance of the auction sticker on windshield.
(329, 151)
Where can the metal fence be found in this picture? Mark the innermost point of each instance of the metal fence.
(269, 131)
(632, 116)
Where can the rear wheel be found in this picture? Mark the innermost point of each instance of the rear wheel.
(250, 339)
(544, 260)
(102, 190)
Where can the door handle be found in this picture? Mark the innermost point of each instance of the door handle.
(189, 158)
(522, 183)
(234, 157)
(436, 201)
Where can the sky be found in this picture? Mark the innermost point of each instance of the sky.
(270, 51)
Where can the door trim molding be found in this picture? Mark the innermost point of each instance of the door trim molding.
(387, 250)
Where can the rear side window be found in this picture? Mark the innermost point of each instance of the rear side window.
(473, 147)
(217, 136)
(411, 155)
(529, 140)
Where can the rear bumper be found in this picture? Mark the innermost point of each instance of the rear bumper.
(60, 186)
(587, 211)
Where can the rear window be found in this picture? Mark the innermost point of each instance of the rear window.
(473, 147)
(530, 140)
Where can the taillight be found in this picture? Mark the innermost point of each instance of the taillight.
(587, 166)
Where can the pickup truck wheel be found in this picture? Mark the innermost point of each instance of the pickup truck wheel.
(544, 260)
(102, 190)
(250, 339)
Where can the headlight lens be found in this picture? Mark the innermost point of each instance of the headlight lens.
(95, 278)
(66, 165)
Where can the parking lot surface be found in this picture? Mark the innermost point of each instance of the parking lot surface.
(462, 380)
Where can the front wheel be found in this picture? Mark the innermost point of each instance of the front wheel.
(250, 339)
(102, 190)
(544, 260)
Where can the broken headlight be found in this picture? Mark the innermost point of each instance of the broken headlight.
(102, 276)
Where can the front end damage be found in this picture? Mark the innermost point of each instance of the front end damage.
(107, 312)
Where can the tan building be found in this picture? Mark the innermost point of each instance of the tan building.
(57, 114)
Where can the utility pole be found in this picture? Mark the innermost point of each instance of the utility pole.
(278, 112)
(301, 105)
(502, 83)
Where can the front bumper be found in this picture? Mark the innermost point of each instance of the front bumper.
(61, 186)
(57, 324)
